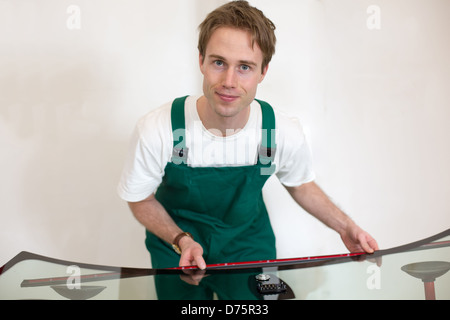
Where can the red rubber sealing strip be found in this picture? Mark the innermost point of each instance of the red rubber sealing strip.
(227, 265)
(266, 262)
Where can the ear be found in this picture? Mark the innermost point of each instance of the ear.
(201, 60)
(264, 72)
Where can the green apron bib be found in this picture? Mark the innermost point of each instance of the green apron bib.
(222, 207)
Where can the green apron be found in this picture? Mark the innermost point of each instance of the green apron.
(222, 207)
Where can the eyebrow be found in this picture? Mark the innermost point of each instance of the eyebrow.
(246, 62)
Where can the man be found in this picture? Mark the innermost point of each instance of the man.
(197, 166)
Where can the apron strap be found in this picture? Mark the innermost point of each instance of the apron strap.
(179, 153)
(266, 152)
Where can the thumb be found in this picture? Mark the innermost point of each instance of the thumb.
(200, 262)
(193, 256)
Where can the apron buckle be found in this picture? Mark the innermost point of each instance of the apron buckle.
(179, 155)
(266, 154)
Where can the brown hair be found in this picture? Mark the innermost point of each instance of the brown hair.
(239, 14)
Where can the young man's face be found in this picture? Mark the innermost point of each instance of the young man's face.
(232, 71)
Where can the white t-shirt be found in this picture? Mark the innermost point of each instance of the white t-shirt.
(152, 143)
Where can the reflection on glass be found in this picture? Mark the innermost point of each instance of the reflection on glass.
(404, 273)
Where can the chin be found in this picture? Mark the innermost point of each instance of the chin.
(226, 111)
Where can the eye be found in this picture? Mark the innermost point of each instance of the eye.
(245, 68)
(219, 63)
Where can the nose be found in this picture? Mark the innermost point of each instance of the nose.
(230, 78)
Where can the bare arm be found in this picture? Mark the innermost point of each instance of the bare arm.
(152, 215)
(311, 198)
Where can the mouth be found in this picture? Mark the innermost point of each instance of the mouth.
(227, 97)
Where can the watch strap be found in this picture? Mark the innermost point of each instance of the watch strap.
(175, 243)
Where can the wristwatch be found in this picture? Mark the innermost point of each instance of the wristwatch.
(177, 239)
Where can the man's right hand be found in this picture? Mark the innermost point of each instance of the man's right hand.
(191, 253)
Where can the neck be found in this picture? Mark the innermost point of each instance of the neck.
(220, 125)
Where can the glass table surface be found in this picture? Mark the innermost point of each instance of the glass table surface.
(414, 271)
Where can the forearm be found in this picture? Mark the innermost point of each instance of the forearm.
(311, 198)
(152, 215)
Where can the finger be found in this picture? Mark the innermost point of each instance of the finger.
(187, 261)
(365, 244)
(375, 247)
(373, 244)
(193, 258)
(200, 262)
(184, 261)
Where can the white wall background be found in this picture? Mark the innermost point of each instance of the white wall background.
(370, 87)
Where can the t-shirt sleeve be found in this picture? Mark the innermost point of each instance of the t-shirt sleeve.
(295, 165)
(146, 158)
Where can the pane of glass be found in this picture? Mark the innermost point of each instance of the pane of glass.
(415, 271)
